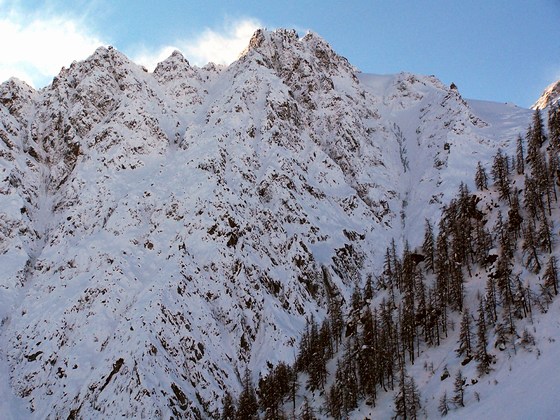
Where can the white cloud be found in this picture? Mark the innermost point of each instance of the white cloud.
(35, 48)
(36, 45)
(221, 46)
(150, 59)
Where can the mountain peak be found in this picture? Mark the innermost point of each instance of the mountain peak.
(107, 53)
(549, 96)
(176, 63)
(267, 42)
(263, 36)
(285, 52)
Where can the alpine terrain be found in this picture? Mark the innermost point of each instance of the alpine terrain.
(283, 237)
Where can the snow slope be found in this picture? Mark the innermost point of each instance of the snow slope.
(163, 231)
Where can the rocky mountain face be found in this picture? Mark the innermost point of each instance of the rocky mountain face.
(551, 95)
(161, 232)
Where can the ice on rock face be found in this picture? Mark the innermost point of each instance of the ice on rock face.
(162, 231)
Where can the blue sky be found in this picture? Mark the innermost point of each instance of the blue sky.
(501, 50)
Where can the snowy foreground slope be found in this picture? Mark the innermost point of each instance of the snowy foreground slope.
(162, 232)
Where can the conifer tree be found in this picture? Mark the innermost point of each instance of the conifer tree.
(500, 175)
(428, 246)
(304, 350)
(422, 306)
(326, 340)
(336, 321)
(554, 126)
(503, 278)
(228, 407)
(347, 379)
(414, 398)
(490, 302)
(549, 188)
(480, 178)
(316, 358)
(273, 389)
(520, 157)
(443, 406)
(482, 242)
(456, 286)
(482, 357)
(504, 238)
(247, 407)
(333, 402)
(387, 344)
(397, 268)
(441, 268)
(545, 234)
(368, 363)
(459, 389)
(357, 300)
(539, 173)
(307, 412)
(553, 171)
(514, 215)
(520, 298)
(465, 346)
(368, 290)
(407, 398)
(535, 135)
(550, 277)
(529, 247)
(533, 202)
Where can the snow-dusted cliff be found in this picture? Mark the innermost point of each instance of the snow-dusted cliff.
(160, 232)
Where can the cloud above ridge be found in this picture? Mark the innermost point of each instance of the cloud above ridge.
(220, 46)
(35, 47)
(38, 43)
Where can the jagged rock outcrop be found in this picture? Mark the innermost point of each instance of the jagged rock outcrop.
(163, 231)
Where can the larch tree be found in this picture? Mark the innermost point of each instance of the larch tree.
(550, 277)
(443, 406)
(481, 178)
(247, 407)
(520, 157)
(500, 175)
(465, 341)
(428, 246)
(481, 355)
(228, 407)
(459, 389)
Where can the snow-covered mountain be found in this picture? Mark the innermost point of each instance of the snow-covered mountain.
(162, 232)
